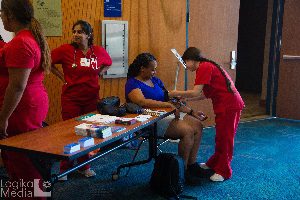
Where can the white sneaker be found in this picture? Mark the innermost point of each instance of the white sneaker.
(64, 178)
(88, 173)
(204, 166)
(217, 177)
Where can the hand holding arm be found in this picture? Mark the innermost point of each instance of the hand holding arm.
(197, 114)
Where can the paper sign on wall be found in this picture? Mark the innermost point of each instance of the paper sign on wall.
(112, 8)
(48, 13)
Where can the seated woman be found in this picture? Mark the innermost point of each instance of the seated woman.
(146, 90)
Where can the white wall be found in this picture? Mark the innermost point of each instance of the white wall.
(7, 36)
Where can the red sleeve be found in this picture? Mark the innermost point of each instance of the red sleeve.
(19, 54)
(57, 54)
(103, 57)
(203, 73)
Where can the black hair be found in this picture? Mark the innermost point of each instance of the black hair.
(142, 60)
(22, 11)
(1, 39)
(87, 29)
(192, 53)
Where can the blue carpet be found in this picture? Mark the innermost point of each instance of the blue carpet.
(266, 165)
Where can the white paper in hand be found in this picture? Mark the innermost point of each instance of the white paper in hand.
(178, 57)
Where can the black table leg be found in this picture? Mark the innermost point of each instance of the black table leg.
(152, 139)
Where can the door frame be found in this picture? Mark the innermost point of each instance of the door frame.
(274, 57)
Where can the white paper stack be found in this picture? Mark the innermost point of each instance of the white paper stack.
(142, 118)
(98, 118)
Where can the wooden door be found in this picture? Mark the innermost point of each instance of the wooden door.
(213, 28)
(288, 97)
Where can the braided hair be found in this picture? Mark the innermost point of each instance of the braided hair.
(87, 29)
(142, 60)
(22, 11)
(192, 53)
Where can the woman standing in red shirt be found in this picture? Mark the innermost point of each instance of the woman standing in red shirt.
(23, 98)
(213, 82)
(82, 64)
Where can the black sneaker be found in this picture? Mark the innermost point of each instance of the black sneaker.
(196, 170)
(192, 180)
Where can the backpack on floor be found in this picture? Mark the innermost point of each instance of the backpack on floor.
(167, 178)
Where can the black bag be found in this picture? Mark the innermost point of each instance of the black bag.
(111, 106)
(134, 108)
(112, 101)
(167, 178)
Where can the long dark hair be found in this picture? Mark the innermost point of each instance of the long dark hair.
(22, 11)
(142, 60)
(87, 29)
(192, 53)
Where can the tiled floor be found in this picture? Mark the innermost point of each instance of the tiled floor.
(253, 108)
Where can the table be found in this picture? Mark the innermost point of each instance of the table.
(45, 146)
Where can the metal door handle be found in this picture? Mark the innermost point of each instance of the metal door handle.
(291, 57)
(232, 59)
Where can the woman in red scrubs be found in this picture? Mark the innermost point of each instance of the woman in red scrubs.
(23, 98)
(82, 63)
(213, 82)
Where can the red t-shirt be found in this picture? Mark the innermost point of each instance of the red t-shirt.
(21, 52)
(82, 81)
(215, 88)
(24, 52)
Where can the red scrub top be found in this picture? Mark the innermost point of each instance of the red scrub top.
(2, 44)
(24, 52)
(215, 88)
(82, 81)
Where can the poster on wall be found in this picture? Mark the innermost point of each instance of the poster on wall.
(48, 13)
(112, 8)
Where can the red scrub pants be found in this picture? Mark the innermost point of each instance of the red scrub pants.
(71, 109)
(226, 126)
(18, 165)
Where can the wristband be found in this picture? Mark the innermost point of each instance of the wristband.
(191, 112)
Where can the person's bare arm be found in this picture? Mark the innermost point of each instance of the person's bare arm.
(196, 92)
(103, 69)
(57, 73)
(136, 96)
(18, 78)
